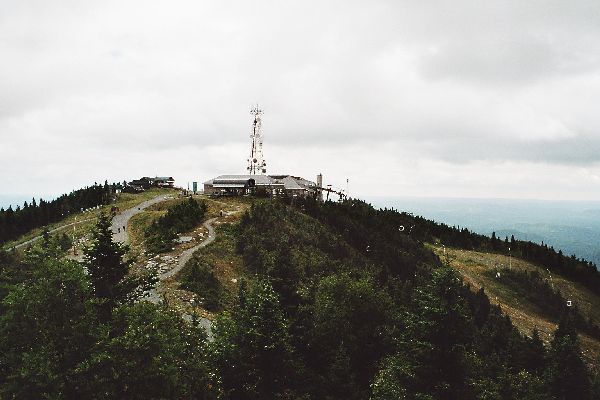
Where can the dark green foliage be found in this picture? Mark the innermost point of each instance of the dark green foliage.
(532, 355)
(424, 230)
(14, 223)
(56, 343)
(182, 217)
(109, 272)
(568, 374)
(336, 304)
(373, 313)
(64, 241)
(199, 277)
(349, 333)
(47, 327)
(252, 353)
(531, 287)
(377, 235)
(45, 238)
(149, 353)
(436, 342)
(291, 249)
(391, 380)
(11, 271)
(527, 386)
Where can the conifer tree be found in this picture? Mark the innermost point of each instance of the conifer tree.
(567, 372)
(104, 260)
(109, 271)
(536, 354)
(252, 351)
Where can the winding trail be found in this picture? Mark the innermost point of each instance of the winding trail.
(119, 228)
(187, 254)
(154, 297)
(120, 221)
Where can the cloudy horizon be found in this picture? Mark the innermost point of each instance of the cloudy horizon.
(427, 99)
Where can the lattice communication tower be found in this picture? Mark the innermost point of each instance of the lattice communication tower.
(256, 162)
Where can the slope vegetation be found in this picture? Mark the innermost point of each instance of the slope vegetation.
(487, 270)
(309, 300)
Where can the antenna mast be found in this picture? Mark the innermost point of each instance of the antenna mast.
(256, 162)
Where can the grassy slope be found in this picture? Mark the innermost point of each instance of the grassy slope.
(221, 253)
(474, 265)
(124, 201)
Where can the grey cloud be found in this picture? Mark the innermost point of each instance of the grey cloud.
(513, 62)
(454, 81)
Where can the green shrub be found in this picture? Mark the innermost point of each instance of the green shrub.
(182, 217)
(199, 277)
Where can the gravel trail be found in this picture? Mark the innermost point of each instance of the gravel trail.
(184, 257)
(119, 222)
(187, 254)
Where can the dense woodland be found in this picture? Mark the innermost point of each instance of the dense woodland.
(14, 223)
(336, 302)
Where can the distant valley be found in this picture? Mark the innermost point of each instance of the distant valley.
(571, 226)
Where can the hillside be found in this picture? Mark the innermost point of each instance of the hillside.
(78, 223)
(479, 269)
(301, 300)
(572, 226)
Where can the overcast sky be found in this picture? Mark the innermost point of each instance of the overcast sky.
(420, 98)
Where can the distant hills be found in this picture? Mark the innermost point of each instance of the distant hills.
(570, 226)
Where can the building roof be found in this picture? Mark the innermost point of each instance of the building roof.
(291, 184)
(239, 181)
(232, 181)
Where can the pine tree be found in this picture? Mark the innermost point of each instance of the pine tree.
(252, 351)
(109, 271)
(150, 353)
(536, 360)
(104, 260)
(567, 372)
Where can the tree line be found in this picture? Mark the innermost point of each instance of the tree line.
(16, 222)
(424, 230)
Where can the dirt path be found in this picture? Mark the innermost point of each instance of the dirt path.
(179, 262)
(187, 254)
(120, 221)
(153, 295)
(21, 245)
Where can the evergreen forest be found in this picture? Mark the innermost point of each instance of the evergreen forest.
(337, 301)
(14, 223)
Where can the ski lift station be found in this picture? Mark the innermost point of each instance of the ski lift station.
(262, 185)
(256, 181)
